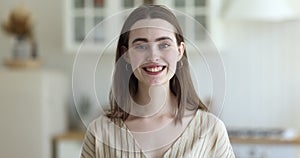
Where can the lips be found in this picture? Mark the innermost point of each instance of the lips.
(154, 69)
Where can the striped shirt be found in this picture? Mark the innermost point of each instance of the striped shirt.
(204, 137)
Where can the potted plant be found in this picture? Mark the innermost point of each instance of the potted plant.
(20, 25)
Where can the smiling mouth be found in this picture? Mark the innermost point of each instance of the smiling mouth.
(154, 69)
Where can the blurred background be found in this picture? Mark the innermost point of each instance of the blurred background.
(258, 41)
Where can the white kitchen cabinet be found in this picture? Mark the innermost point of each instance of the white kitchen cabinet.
(32, 110)
(82, 15)
(68, 149)
(266, 150)
(68, 145)
(265, 143)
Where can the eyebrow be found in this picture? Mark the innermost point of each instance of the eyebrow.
(146, 40)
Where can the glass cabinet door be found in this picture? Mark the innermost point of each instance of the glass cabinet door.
(83, 15)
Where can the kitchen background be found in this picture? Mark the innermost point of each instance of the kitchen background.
(261, 60)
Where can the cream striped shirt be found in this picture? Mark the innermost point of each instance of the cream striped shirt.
(204, 137)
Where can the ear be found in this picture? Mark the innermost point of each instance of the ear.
(181, 49)
(125, 55)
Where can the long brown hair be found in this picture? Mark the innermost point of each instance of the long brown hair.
(181, 84)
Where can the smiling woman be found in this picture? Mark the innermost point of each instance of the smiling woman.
(155, 110)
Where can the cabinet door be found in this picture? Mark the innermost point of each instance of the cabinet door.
(32, 109)
(83, 15)
(68, 149)
(279, 151)
(264, 151)
(184, 10)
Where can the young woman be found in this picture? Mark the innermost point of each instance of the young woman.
(155, 110)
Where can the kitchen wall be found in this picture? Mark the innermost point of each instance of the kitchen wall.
(263, 73)
(261, 62)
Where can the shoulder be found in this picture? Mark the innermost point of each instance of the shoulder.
(103, 129)
(95, 135)
(101, 124)
(208, 123)
(213, 130)
(208, 119)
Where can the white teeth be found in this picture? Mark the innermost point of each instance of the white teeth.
(154, 69)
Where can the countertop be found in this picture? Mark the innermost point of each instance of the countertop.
(79, 136)
(241, 140)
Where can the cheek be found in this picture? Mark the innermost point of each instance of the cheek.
(172, 60)
(136, 60)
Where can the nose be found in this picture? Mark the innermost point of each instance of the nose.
(153, 54)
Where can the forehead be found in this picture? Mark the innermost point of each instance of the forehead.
(153, 23)
(148, 28)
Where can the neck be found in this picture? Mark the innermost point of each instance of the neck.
(154, 101)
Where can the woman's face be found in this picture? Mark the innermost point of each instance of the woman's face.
(153, 51)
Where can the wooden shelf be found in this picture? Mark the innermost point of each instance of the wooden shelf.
(76, 135)
(23, 63)
(241, 140)
(71, 135)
